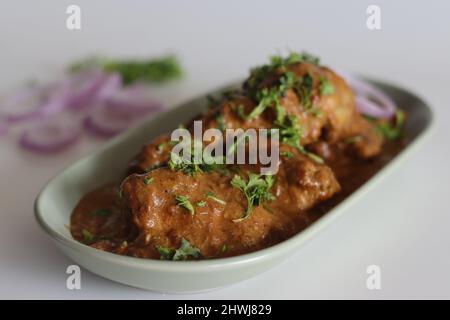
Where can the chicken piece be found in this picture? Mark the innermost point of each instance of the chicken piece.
(299, 185)
(152, 155)
(330, 116)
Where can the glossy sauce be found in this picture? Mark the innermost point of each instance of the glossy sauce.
(109, 226)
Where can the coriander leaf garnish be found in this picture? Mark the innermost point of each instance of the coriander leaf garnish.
(325, 86)
(220, 122)
(160, 147)
(165, 253)
(392, 132)
(212, 196)
(153, 70)
(255, 190)
(353, 139)
(240, 112)
(200, 204)
(184, 202)
(185, 251)
(148, 180)
(286, 154)
(87, 236)
(223, 248)
(100, 213)
(291, 133)
(303, 87)
(177, 163)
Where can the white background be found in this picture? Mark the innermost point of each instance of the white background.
(403, 225)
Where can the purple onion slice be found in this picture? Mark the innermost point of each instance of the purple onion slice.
(51, 134)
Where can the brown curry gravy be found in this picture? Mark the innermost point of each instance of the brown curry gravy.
(115, 233)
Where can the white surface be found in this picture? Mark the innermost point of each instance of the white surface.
(403, 226)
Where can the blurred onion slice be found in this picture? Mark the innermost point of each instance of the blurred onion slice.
(134, 99)
(83, 87)
(369, 99)
(109, 119)
(51, 134)
(4, 126)
(23, 104)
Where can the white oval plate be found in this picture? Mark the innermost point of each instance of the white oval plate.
(54, 205)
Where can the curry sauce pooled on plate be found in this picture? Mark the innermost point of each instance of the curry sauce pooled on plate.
(171, 211)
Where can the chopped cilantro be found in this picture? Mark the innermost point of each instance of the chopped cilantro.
(160, 147)
(185, 251)
(148, 180)
(200, 204)
(100, 213)
(392, 132)
(291, 133)
(177, 163)
(353, 139)
(165, 253)
(212, 196)
(153, 70)
(287, 154)
(325, 87)
(255, 190)
(184, 202)
(303, 87)
(87, 236)
(220, 121)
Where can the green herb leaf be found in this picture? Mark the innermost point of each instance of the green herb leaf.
(325, 86)
(100, 213)
(200, 204)
(153, 70)
(184, 202)
(353, 139)
(392, 132)
(287, 154)
(177, 163)
(220, 122)
(160, 147)
(165, 253)
(185, 251)
(255, 190)
(148, 180)
(303, 87)
(291, 133)
(87, 236)
(212, 196)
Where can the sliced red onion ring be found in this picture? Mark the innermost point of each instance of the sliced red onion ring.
(107, 120)
(23, 104)
(51, 135)
(110, 86)
(82, 88)
(369, 99)
(4, 126)
(134, 99)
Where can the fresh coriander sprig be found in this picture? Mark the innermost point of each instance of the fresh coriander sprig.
(184, 202)
(177, 163)
(87, 236)
(325, 87)
(148, 180)
(185, 251)
(100, 213)
(392, 132)
(212, 196)
(255, 190)
(152, 70)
